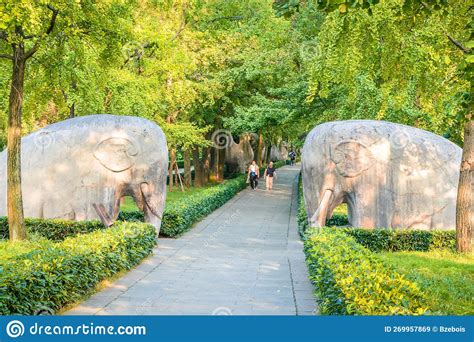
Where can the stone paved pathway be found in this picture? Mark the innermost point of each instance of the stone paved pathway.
(245, 258)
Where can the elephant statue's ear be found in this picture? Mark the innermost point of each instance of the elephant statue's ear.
(116, 154)
(351, 158)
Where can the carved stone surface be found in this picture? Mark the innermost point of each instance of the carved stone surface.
(239, 156)
(279, 152)
(390, 175)
(70, 166)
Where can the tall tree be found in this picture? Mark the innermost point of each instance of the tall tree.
(18, 36)
(27, 27)
(431, 41)
(465, 200)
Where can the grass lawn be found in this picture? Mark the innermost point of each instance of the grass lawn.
(446, 278)
(175, 195)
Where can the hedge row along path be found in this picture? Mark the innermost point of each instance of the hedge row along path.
(246, 258)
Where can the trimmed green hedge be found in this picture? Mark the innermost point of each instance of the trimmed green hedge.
(64, 272)
(351, 280)
(379, 240)
(302, 216)
(131, 216)
(53, 229)
(179, 216)
(337, 220)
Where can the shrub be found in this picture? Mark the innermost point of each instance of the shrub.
(63, 272)
(53, 229)
(131, 216)
(391, 240)
(351, 280)
(302, 216)
(337, 220)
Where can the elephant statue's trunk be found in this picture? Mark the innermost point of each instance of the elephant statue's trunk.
(320, 215)
(153, 204)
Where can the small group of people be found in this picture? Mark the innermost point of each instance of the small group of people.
(254, 175)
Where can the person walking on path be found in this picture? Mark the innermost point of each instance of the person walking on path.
(292, 156)
(270, 174)
(253, 175)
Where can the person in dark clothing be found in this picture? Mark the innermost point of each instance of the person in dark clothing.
(292, 156)
(270, 174)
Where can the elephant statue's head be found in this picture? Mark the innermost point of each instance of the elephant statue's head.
(116, 154)
(138, 166)
(330, 174)
(351, 158)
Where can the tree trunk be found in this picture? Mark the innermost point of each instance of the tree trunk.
(171, 167)
(213, 165)
(269, 153)
(198, 168)
(14, 196)
(217, 165)
(206, 163)
(259, 149)
(201, 166)
(72, 111)
(465, 202)
(187, 168)
(221, 164)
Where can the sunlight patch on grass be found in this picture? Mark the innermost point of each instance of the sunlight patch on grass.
(447, 278)
(175, 195)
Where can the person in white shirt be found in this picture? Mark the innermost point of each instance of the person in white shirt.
(254, 174)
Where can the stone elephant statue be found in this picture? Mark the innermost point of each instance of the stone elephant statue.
(239, 156)
(79, 169)
(390, 175)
